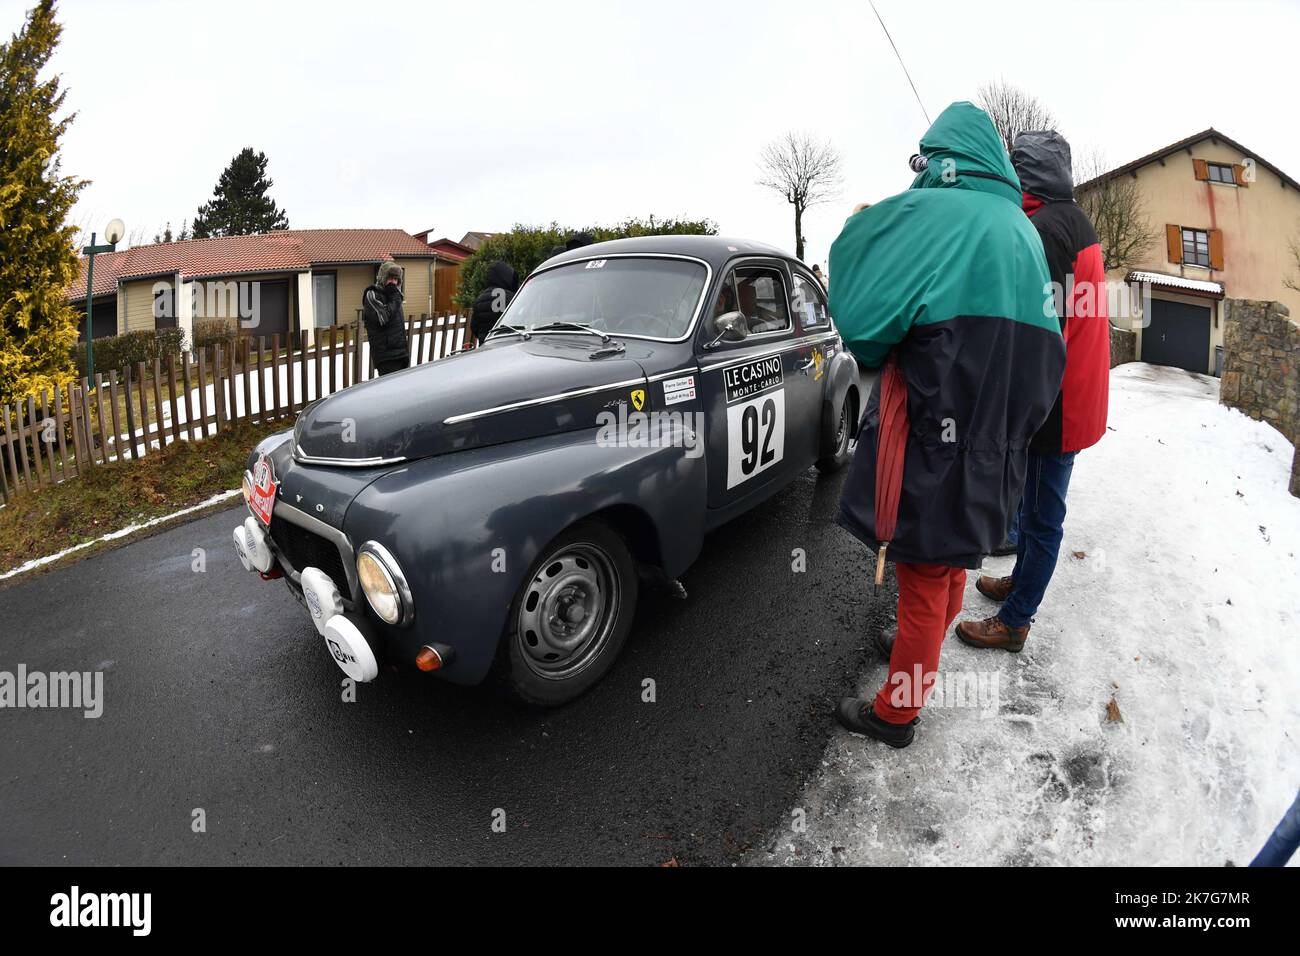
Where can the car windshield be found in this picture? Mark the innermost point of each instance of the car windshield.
(625, 296)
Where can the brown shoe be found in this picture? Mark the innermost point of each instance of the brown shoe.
(995, 589)
(991, 632)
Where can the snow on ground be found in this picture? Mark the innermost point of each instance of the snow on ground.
(1184, 607)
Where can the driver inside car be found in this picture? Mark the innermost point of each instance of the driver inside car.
(759, 318)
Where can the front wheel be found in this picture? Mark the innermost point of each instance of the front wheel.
(571, 615)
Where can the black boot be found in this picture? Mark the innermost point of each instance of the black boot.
(858, 717)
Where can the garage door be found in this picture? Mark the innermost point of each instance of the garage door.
(1179, 335)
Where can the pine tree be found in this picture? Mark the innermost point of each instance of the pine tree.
(38, 261)
(240, 205)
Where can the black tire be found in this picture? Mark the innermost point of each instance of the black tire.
(837, 435)
(587, 566)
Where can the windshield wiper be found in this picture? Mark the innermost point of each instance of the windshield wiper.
(512, 329)
(576, 326)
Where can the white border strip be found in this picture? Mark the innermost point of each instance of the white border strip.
(121, 533)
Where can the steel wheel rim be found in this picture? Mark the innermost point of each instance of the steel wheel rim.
(568, 611)
(842, 434)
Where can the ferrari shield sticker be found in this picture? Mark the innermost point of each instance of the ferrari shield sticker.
(638, 398)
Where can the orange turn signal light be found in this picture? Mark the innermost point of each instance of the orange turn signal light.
(428, 659)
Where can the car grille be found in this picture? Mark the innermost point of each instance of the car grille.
(306, 549)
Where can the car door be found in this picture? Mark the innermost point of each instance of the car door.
(817, 345)
(755, 399)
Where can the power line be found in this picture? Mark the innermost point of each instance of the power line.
(900, 61)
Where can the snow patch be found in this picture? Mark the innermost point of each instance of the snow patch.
(1182, 605)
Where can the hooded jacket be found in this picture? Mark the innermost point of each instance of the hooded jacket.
(1078, 272)
(381, 310)
(951, 276)
(502, 280)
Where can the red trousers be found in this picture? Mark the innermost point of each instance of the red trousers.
(929, 597)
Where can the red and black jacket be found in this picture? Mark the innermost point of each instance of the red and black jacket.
(1078, 419)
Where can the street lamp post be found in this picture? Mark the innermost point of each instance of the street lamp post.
(113, 233)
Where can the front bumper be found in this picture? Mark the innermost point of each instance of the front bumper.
(354, 642)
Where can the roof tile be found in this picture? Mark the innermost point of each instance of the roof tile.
(289, 250)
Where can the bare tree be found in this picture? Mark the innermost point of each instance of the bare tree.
(1293, 281)
(803, 170)
(1013, 110)
(1117, 210)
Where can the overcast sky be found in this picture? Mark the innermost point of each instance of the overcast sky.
(459, 116)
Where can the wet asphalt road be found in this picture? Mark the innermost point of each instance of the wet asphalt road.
(220, 695)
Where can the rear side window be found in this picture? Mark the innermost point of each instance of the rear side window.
(809, 304)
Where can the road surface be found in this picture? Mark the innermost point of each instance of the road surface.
(219, 697)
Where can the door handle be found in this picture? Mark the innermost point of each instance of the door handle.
(807, 365)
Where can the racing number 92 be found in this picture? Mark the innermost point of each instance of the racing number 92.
(755, 436)
(749, 436)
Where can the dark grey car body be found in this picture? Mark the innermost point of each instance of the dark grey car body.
(478, 460)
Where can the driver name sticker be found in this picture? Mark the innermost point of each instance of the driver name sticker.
(755, 435)
(679, 389)
(751, 378)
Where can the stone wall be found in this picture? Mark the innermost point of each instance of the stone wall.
(1123, 346)
(1261, 349)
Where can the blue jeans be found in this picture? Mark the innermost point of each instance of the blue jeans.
(1042, 518)
(1283, 841)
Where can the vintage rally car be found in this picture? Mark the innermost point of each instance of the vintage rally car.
(497, 511)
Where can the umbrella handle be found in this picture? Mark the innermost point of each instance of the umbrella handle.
(880, 564)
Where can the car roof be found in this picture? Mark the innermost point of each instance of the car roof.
(715, 250)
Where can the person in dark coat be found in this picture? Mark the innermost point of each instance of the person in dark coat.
(502, 281)
(578, 240)
(948, 283)
(381, 310)
(1078, 417)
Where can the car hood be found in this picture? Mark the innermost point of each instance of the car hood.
(505, 391)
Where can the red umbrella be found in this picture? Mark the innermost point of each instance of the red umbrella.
(891, 445)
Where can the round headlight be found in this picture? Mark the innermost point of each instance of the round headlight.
(246, 486)
(383, 584)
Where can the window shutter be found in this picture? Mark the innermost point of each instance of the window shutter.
(1201, 168)
(1216, 248)
(1174, 240)
(1239, 174)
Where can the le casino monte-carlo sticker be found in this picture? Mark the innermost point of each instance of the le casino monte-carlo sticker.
(755, 417)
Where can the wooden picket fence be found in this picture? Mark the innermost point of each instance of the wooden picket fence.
(140, 409)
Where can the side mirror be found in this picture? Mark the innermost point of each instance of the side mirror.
(732, 326)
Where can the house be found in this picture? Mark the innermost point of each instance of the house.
(453, 252)
(1225, 220)
(475, 239)
(279, 282)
